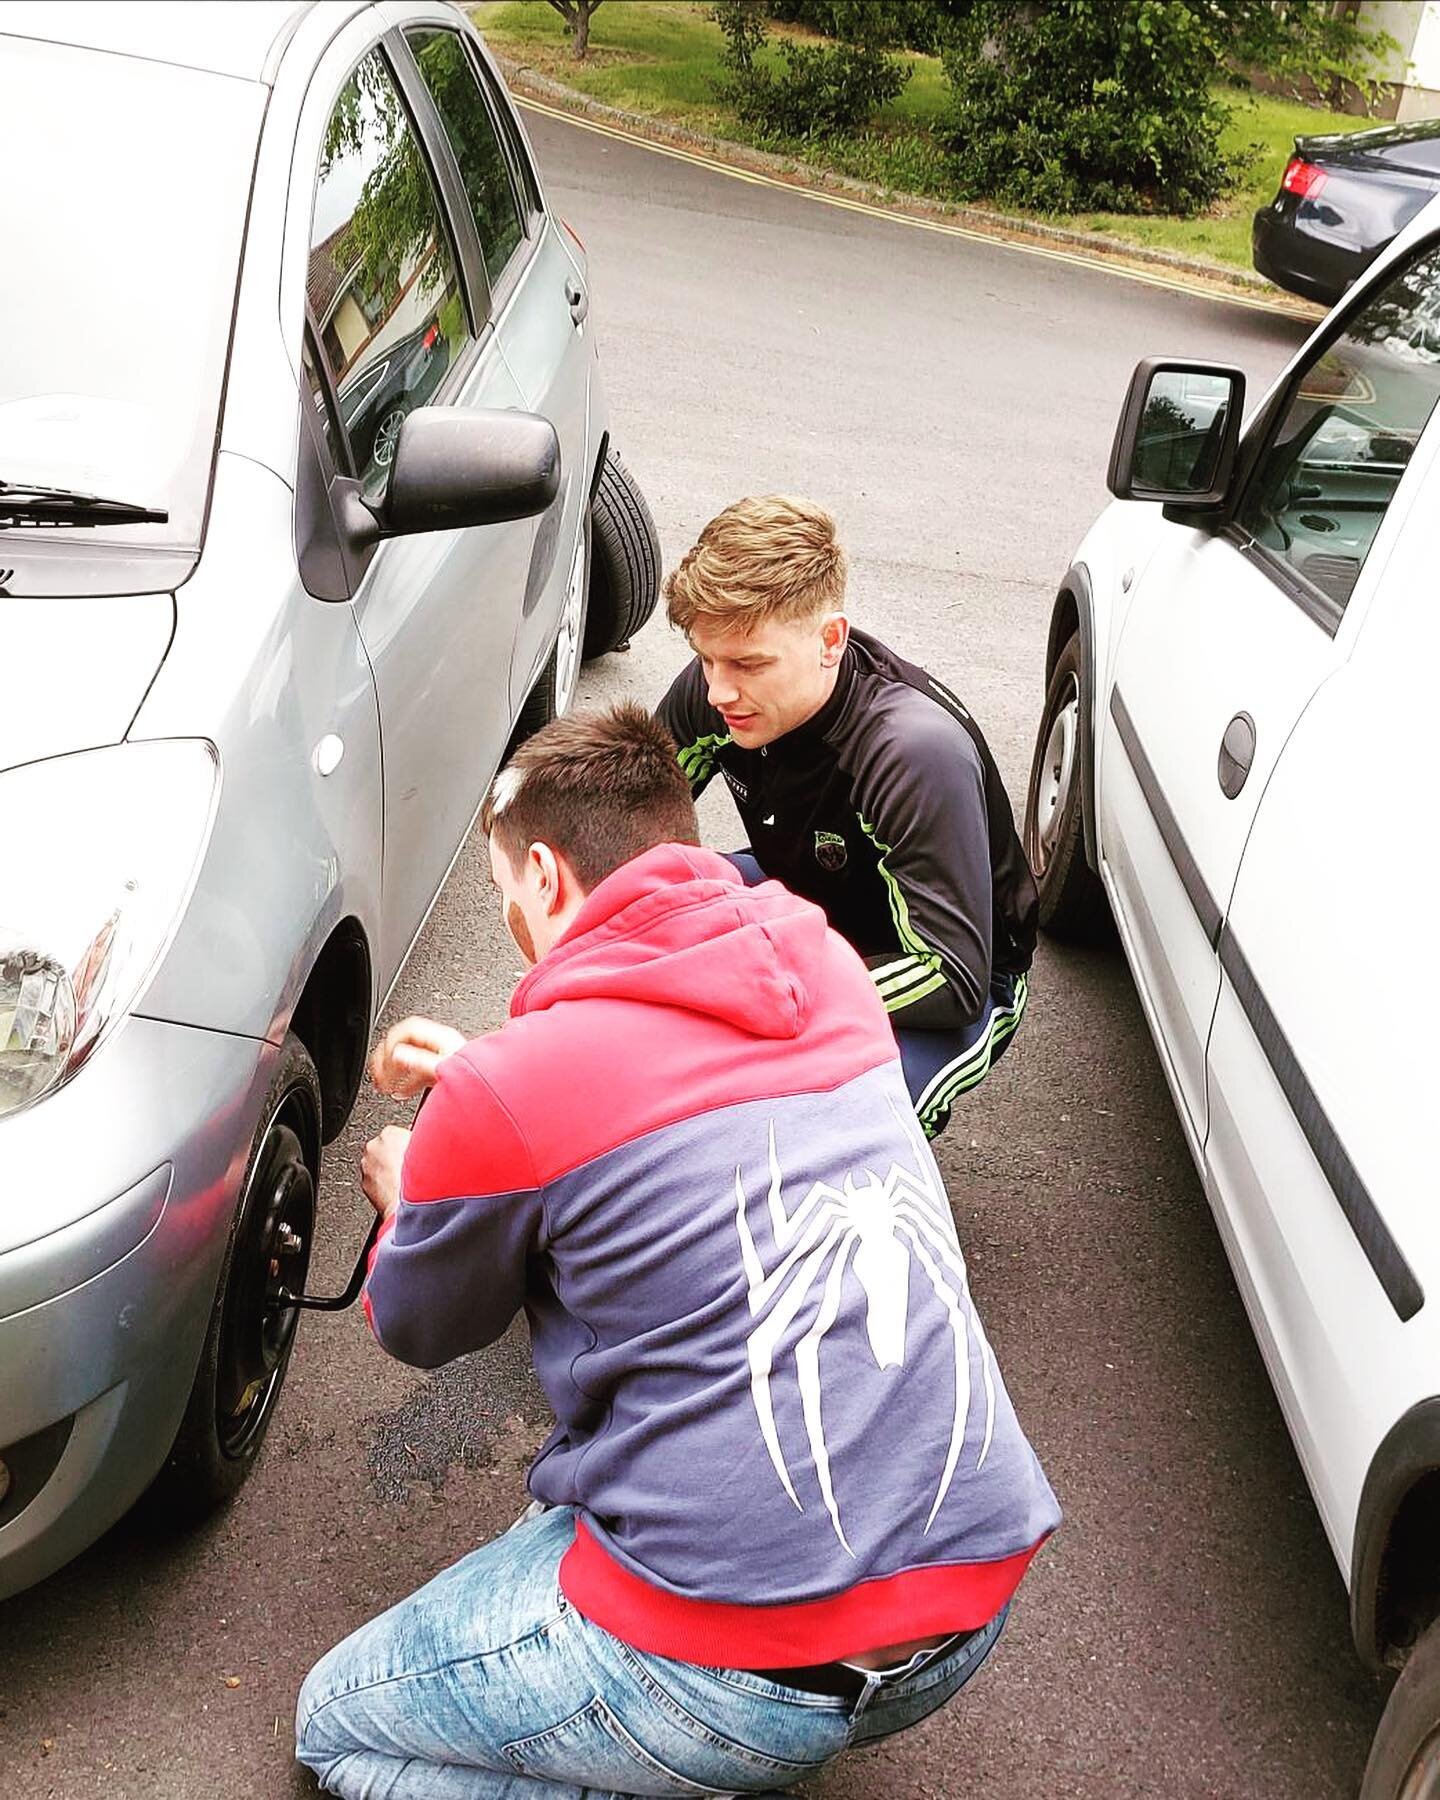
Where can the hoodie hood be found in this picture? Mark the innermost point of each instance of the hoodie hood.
(678, 927)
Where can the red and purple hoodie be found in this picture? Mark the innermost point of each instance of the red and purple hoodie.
(690, 1156)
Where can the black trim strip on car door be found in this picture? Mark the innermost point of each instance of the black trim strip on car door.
(1402, 1288)
(1200, 897)
(1384, 1255)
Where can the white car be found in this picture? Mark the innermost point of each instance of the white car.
(1236, 759)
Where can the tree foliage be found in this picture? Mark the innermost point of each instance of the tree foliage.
(818, 89)
(394, 223)
(1072, 104)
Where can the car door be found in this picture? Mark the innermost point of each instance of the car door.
(1322, 1065)
(398, 309)
(540, 301)
(1227, 638)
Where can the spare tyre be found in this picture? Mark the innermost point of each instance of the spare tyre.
(624, 561)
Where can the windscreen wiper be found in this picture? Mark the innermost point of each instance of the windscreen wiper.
(27, 503)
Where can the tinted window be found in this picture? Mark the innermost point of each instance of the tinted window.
(1322, 488)
(382, 282)
(452, 82)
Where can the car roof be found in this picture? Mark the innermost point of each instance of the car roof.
(225, 37)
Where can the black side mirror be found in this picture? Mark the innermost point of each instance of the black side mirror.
(1177, 436)
(456, 466)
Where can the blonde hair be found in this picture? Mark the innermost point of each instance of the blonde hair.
(767, 557)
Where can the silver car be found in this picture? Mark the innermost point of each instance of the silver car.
(307, 511)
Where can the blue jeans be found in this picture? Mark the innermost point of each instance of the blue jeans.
(940, 1066)
(487, 1685)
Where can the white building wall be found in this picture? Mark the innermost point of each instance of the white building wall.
(1414, 66)
(1422, 96)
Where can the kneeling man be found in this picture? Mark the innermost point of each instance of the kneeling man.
(787, 1502)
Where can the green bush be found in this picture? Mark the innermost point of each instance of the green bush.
(1072, 105)
(816, 92)
(911, 24)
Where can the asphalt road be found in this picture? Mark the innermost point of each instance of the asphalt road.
(1185, 1634)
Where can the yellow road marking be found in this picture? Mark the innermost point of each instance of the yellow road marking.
(944, 227)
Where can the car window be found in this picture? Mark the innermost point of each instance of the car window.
(382, 284)
(1321, 490)
(450, 77)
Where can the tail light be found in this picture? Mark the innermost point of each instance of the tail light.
(1302, 179)
(430, 337)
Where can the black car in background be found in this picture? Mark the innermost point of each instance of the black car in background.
(377, 396)
(1341, 200)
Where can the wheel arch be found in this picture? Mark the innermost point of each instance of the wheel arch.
(1395, 1566)
(332, 1020)
(599, 467)
(1074, 611)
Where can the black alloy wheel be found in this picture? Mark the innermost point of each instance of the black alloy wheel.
(277, 1224)
(247, 1346)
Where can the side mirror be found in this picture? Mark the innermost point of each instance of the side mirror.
(1178, 434)
(456, 466)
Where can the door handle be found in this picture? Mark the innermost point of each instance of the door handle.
(1237, 752)
(579, 300)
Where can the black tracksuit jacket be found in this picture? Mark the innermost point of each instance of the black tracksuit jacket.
(887, 810)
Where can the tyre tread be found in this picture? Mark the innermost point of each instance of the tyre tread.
(625, 583)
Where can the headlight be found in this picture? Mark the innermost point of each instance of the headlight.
(98, 853)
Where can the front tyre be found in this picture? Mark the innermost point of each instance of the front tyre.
(625, 565)
(1405, 1757)
(248, 1343)
(1072, 900)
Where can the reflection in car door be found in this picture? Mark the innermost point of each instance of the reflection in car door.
(539, 301)
(436, 611)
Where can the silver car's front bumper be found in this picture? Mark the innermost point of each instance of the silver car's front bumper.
(130, 1174)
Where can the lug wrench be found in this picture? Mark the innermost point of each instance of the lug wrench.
(282, 1299)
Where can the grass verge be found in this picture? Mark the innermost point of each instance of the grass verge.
(661, 58)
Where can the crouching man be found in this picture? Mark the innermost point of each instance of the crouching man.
(862, 783)
(788, 1501)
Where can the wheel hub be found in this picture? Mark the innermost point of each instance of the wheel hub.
(567, 643)
(272, 1251)
(1056, 774)
(387, 436)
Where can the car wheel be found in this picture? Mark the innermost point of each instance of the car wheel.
(248, 1343)
(625, 567)
(1404, 1760)
(1072, 900)
(387, 436)
(570, 639)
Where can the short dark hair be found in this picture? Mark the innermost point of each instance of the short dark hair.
(598, 787)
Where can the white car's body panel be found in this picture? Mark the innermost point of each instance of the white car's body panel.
(1207, 636)
(1315, 961)
(1325, 911)
(87, 663)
